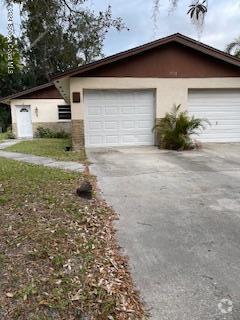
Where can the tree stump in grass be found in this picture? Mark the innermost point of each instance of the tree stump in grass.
(85, 190)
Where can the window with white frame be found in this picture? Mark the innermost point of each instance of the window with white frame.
(64, 112)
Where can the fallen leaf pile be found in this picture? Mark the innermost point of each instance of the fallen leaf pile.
(59, 258)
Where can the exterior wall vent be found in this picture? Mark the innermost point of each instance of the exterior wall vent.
(76, 98)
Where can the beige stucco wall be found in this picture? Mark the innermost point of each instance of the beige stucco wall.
(47, 112)
(168, 90)
(47, 109)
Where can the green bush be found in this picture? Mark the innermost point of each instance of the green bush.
(9, 133)
(175, 130)
(48, 133)
(61, 134)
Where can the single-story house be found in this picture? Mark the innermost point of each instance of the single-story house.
(117, 100)
(41, 106)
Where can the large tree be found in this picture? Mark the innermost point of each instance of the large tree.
(56, 35)
(89, 31)
(60, 34)
(47, 47)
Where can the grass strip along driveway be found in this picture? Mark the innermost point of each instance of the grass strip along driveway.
(58, 255)
(53, 148)
(3, 136)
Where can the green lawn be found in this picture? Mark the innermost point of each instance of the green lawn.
(58, 255)
(53, 148)
(3, 136)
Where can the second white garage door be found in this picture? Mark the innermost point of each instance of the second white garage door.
(119, 118)
(222, 109)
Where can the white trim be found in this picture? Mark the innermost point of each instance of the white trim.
(25, 131)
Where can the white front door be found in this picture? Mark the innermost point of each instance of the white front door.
(222, 109)
(119, 118)
(24, 122)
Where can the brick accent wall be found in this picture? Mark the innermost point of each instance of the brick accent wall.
(56, 126)
(78, 134)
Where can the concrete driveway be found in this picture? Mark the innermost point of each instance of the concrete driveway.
(180, 226)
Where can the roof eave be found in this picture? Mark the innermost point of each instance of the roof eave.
(179, 38)
(22, 93)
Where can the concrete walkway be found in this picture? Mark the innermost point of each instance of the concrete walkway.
(44, 161)
(8, 143)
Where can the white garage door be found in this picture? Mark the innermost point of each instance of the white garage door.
(222, 109)
(119, 118)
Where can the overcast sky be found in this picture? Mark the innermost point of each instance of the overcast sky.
(221, 25)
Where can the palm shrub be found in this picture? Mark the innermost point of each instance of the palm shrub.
(234, 48)
(175, 129)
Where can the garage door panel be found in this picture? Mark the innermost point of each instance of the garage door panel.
(112, 125)
(221, 136)
(213, 94)
(114, 139)
(222, 109)
(94, 111)
(143, 138)
(95, 139)
(144, 124)
(108, 111)
(122, 118)
(128, 110)
(216, 117)
(230, 122)
(222, 127)
(128, 124)
(128, 139)
(218, 114)
(144, 110)
(95, 125)
(213, 102)
(223, 140)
